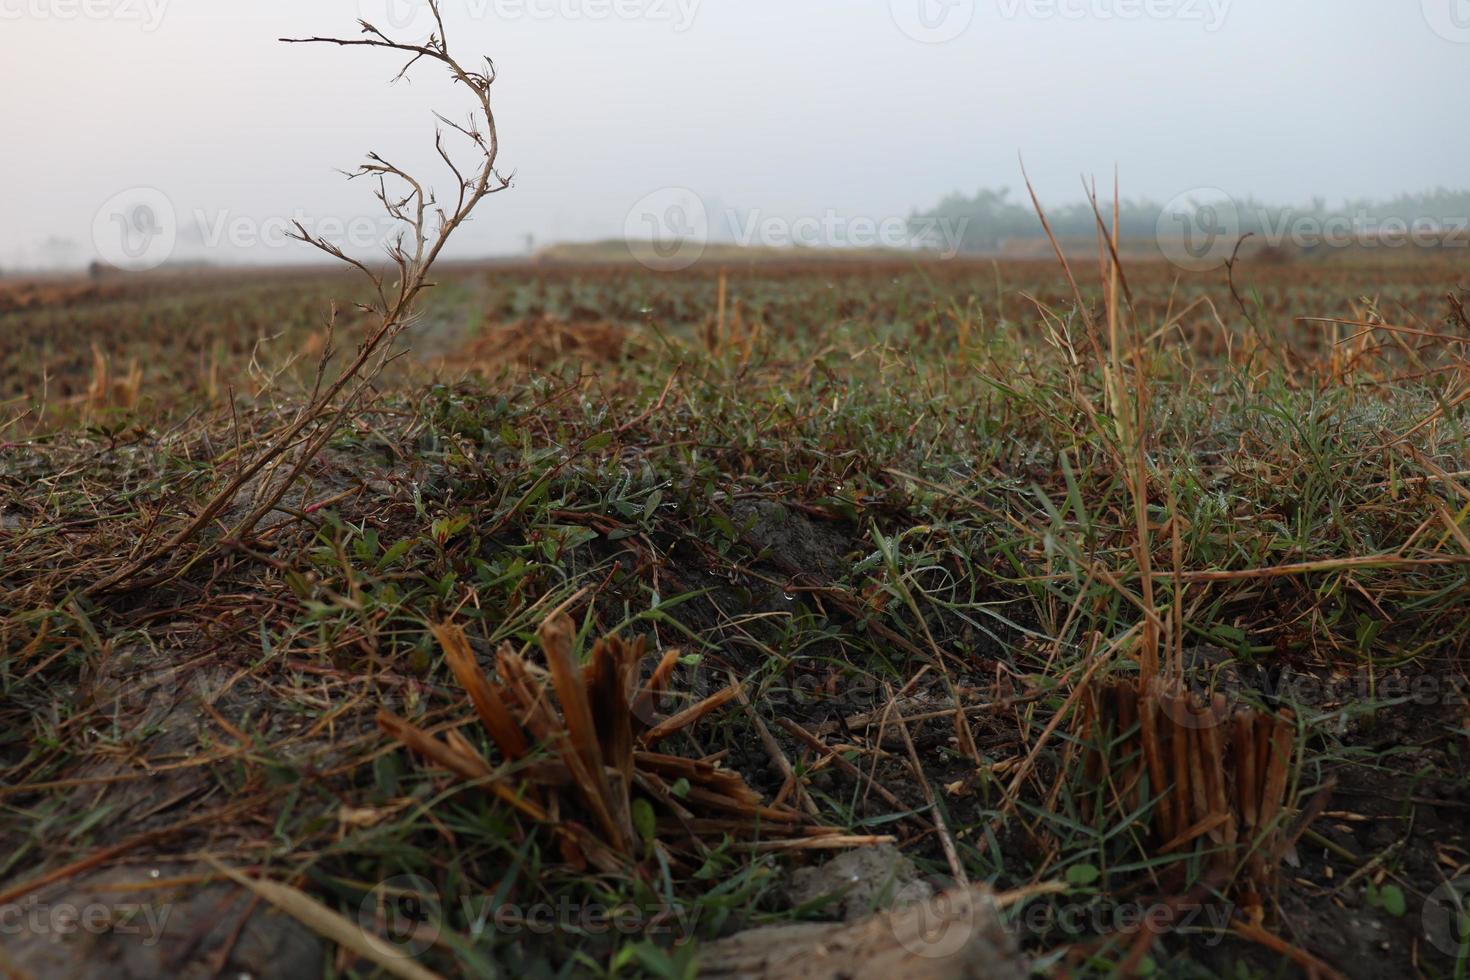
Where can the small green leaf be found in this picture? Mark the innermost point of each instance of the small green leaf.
(1083, 874)
(645, 822)
(396, 552)
(1391, 900)
(624, 958)
(650, 507)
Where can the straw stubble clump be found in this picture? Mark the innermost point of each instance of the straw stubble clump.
(588, 766)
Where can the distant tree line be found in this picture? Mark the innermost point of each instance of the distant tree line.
(986, 221)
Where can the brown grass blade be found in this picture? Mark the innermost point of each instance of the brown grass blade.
(571, 692)
(466, 766)
(1153, 756)
(1209, 825)
(538, 716)
(494, 715)
(643, 701)
(1278, 769)
(1247, 779)
(1179, 739)
(329, 924)
(1213, 757)
(1312, 966)
(689, 716)
(581, 733)
(606, 677)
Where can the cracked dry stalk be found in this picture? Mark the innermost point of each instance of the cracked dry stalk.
(426, 229)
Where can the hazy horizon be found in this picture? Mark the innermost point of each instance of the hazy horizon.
(809, 111)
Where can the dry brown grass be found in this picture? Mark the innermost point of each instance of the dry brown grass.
(539, 342)
(110, 390)
(604, 789)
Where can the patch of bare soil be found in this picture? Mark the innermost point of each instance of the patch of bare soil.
(148, 920)
(1399, 819)
(955, 936)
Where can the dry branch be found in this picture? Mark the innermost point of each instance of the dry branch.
(427, 228)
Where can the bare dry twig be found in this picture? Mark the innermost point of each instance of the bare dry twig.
(427, 228)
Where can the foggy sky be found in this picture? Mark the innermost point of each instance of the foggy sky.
(788, 108)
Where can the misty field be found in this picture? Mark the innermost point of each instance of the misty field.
(1118, 613)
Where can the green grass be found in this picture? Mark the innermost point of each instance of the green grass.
(880, 471)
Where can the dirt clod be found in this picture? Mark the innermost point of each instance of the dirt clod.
(947, 937)
(859, 882)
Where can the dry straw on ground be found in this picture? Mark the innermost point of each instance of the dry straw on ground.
(602, 788)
